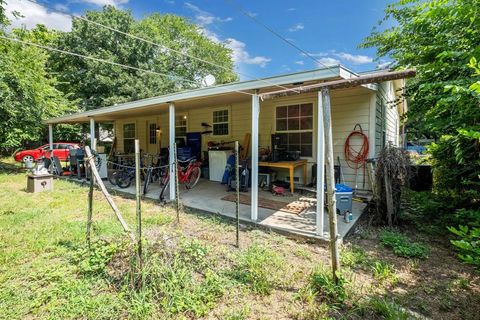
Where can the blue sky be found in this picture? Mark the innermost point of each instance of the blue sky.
(330, 31)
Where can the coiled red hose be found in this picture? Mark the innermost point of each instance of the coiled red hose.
(355, 157)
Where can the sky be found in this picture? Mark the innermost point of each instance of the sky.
(329, 31)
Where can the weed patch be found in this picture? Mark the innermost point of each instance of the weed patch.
(321, 286)
(384, 272)
(402, 246)
(258, 267)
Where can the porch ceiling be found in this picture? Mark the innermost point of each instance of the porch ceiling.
(210, 96)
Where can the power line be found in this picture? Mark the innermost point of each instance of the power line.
(96, 59)
(159, 45)
(278, 35)
(107, 61)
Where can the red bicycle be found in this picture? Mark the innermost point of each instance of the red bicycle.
(187, 175)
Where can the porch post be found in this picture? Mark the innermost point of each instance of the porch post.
(255, 114)
(320, 166)
(50, 139)
(171, 151)
(92, 134)
(332, 207)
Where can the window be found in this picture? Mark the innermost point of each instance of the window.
(181, 125)
(294, 126)
(152, 133)
(220, 122)
(129, 138)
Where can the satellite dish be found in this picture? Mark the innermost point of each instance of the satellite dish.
(208, 80)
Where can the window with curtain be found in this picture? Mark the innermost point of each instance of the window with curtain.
(294, 126)
(129, 138)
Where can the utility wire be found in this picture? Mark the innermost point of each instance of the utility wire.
(237, 7)
(166, 75)
(159, 45)
(278, 35)
(96, 59)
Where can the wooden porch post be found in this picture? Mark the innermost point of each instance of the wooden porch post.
(92, 134)
(332, 207)
(171, 154)
(320, 167)
(255, 114)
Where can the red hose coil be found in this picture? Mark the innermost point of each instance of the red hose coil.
(354, 157)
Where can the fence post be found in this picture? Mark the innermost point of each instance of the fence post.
(138, 203)
(90, 206)
(237, 199)
(177, 192)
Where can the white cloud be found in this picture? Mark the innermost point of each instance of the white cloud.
(240, 54)
(291, 9)
(102, 3)
(300, 62)
(384, 64)
(296, 27)
(204, 18)
(33, 14)
(354, 58)
(327, 61)
(334, 57)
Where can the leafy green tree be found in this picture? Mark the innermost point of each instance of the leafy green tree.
(28, 93)
(96, 84)
(439, 38)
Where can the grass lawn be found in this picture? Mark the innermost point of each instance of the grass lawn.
(193, 270)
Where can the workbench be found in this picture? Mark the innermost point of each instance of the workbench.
(290, 165)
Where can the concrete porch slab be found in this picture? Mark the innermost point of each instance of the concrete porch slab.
(207, 196)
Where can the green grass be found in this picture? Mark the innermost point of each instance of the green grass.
(259, 267)
(402, 246)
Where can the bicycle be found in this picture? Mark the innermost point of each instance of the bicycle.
(188, 176)
(156, 173)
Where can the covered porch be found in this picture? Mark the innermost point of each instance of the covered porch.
(333, 107)
(209, 197)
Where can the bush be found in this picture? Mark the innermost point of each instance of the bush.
(258, 267)
(468, 245)
(403, 246)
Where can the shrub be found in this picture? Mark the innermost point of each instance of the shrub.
(403, 246)
(258, 267)
(468, 245)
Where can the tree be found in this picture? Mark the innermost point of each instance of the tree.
(96, 84)
(439, 38)
(28, 93)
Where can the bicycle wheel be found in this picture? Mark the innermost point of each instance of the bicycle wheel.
(164, 191)
(124, 179)
(147, 180)
(193, 178)
(112, 177)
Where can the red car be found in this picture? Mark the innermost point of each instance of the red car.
(60, 150)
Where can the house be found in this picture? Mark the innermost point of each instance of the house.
(284, 107)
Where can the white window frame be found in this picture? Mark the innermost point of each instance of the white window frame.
(229, 122)
(149, 132)
(186, 124)
(314, 117)
(134, 133)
